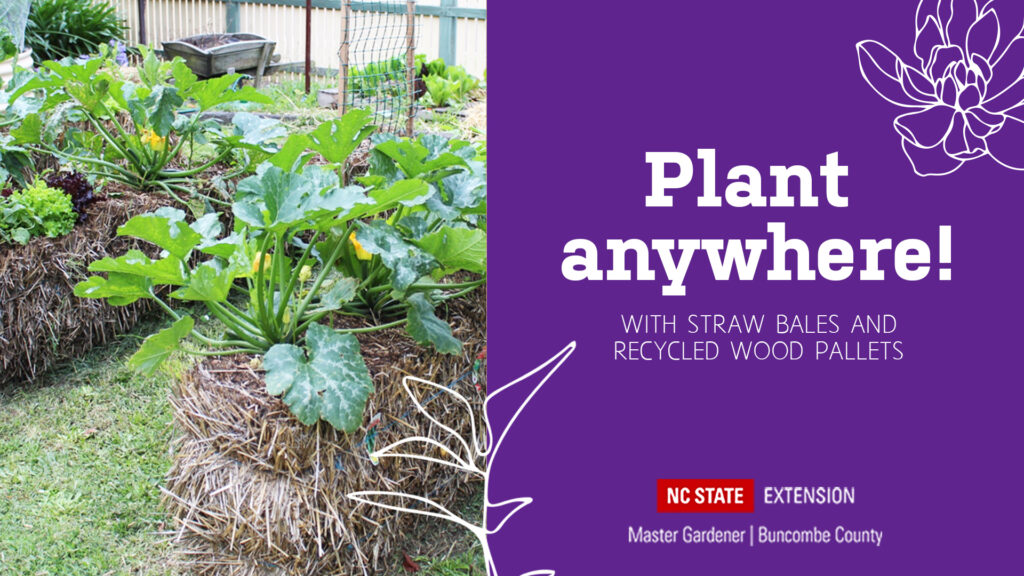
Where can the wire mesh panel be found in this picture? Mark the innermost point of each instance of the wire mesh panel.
(13, 17)
(378, 45)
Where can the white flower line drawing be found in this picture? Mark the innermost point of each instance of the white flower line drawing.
(471, 458)
(966, 96)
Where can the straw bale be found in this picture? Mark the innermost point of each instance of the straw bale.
(255, 493)
(474, 125)
(41, 321)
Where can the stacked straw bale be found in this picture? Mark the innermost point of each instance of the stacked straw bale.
(41, 321)
(253, 492)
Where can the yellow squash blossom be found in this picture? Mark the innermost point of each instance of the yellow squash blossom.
(305, 273)
(151, 139)
(361, 252)
(267, 262)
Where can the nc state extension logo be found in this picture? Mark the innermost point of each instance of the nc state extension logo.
(964, 90)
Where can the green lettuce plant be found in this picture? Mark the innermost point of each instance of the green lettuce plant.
(306, 248)
(37, 210)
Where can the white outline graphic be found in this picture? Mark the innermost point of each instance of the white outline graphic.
(959, 53)
(468, 456)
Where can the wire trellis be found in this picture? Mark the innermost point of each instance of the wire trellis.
(378, 68)
(13, 18)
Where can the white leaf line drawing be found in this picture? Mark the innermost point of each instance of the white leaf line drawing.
(474, 459)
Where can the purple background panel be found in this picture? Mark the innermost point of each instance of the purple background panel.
(578, 93)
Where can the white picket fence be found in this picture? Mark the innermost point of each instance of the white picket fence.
(286, 24)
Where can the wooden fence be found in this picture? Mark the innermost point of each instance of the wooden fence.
(453, 29)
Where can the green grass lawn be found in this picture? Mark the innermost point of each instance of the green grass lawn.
(83, 453)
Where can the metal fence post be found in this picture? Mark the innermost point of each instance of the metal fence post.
(410, 64)
(142, 21)
(232, 17)
(448, 31)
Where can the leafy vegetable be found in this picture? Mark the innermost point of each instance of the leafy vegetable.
(76, 186)
(38, 210)
(446, 85)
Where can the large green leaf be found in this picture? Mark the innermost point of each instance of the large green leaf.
(209, 282)
(406, 261)
(337, 139)
(414, 158)
(166, 228)
(459, 195)
(426, 328)
(162, 103)
(159, 347)
(339, 292)
(208, 226)
(458, 248)
(277, 200)
(170, 270)
(409, 192)
(224, 247)
(292, 156)
(119, 289)
(151, 69)
(30, 131)
(332, 383)
(273, 199)
(257, 131)
(220, 90)
(184, 78)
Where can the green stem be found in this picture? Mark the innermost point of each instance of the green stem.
(170, 311)
(111, 141)
(370, 278)
(225, 352)
(312, 319)
(207, 341)
(261, 289)
(194, 171)
(225, 343)
(457, 294)
(372, 328)
(293, 280)
(250, 334)
(452, 286)
(238, 312)
(328, 263)
(96, 161)
(279, 267)
(170, 192)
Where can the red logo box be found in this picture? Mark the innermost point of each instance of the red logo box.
(705, 495)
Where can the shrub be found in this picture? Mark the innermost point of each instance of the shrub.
(70, 28)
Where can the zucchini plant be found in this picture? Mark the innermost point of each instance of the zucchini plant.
(134, 132)
(306, 247)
